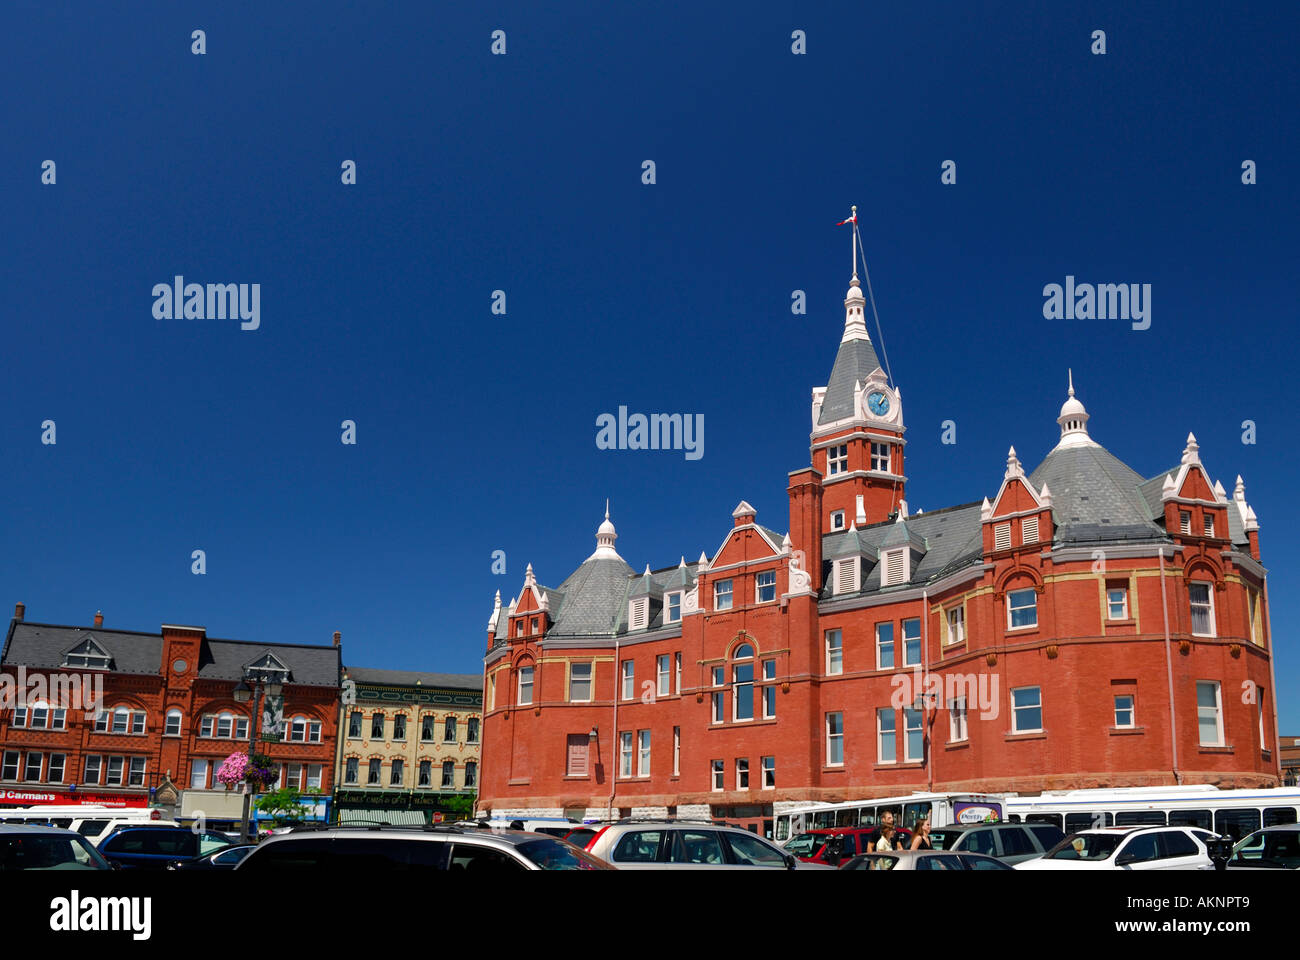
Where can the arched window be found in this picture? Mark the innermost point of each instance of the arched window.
(303, 729)
(742, 683)
(172, 728)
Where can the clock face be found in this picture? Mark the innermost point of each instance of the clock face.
(878, 403)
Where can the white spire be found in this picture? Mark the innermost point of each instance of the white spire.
(704, 561)
(605, 537)
(1014, 469)
(1074, 421)
(1190, 452)
(496, 611)
(855, 325)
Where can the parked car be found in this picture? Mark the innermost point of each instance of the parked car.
(581, 836)
(47, 848)
(223, 858)
(685, 844)
(925, 860)
(1010, 842)
(1127, 848)
(818, 846)
(154, 848)
(1273, 848)
(456, 848)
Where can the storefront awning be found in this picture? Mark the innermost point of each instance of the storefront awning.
(395, 817)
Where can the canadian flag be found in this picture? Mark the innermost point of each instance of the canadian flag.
(852, 219)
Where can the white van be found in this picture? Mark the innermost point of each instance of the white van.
(552, 826)
(91, 821)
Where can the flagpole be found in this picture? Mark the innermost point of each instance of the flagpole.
(854, 219)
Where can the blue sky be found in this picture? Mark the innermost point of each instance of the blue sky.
(522, 173)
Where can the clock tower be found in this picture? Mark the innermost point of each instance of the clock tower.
(857, 428)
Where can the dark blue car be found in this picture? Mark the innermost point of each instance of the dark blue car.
(153, 848)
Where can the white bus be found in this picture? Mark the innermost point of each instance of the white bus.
(943, 809)
(91, 821)
(1230, 813)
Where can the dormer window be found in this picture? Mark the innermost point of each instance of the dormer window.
(268, 669)
(674, 608)
(837, 459)
(895, 569)
(845, 575)
(89, 655)
(638, 613)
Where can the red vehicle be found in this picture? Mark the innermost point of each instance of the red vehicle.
(814, 846)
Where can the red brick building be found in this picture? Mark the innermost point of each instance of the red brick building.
(168, 716)
(1083, 625)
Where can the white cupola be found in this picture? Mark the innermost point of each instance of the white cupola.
(1074, 422)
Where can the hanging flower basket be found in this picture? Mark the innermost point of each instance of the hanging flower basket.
(236, 769)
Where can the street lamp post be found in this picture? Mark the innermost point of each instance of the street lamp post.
(261, 688)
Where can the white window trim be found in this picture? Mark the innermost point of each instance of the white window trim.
(1125, 616)
(1218, 714)
(1209, 595)
(888, 457)
(717, 767)
(839, 668)
(960, 611)
(1132, 711)
(881, 713)
(717, 595)
(958, 728)
(1014, 690)
(739, 761)
(627, 680)
(854, 584)
(1027, 626)
(668, 606)
(894, 567)
(837, 520)
(519, 693)
(765, 769)
(663, 675)
(837, 463)
(826, 723)
(758, 589)
(1002, 536)
(591, 682)
(893, 646)
(643, 753)
(920, 641)
(907, 740)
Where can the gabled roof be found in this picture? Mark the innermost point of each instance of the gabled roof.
(953, 535)
(855, 361)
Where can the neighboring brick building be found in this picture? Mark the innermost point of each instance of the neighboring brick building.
(168, 718)
(408, 744)
(1290, 760)
(1055, 617)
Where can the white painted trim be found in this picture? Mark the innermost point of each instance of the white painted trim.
(857, 434)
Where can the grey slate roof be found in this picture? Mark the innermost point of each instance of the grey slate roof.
(953, 536)
(595, 598)
(855, 361)
(42, 645)
(1095, 497)
(409, 678)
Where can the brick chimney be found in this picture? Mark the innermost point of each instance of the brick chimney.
(99, 618)
(338, 638)
(20, 610)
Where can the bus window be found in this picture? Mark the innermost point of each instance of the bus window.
(896, 811)
(1277, 815)
(823, 819)
(846, 818)
(1053, 818)
(867, 816)
(1236, 823)
(913, 812)
(782, 828)
(1191, 818)
(1140, 818)
(1074, 822)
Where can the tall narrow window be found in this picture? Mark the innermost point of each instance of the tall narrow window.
(765, 584)
(769, 689)
(643, 753)
(376, 727)
(834, 739)
(625, 753)
(629, 679)
(674, 607)
(912, 642)
(1117, 603)
(525, 685)
(742, 773)
(884, 646)
(677, 673)
(471, 773)
(448, 774)
(579, 682)
(956, 625)
(769, 773)
(1202, 602)
(449, 730)
(719, 775)
(914, 738)
(834, 652)
(957, 720)
(1124, 711)
(1209, 713)
(719, 695)
(677, 751)
(663, 675)
(743, 690)
(886, 736)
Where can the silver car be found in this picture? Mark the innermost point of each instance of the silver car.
(689, 845)
(453, 848)
(1273, 848)
(47, 848)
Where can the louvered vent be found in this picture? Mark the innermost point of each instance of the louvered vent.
(1029, 530)
(1002, 536)
(846, 576)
